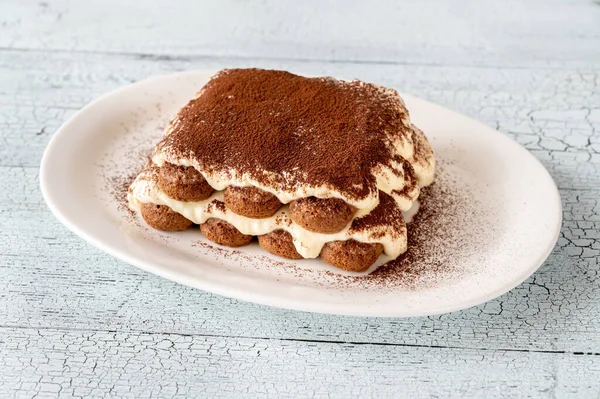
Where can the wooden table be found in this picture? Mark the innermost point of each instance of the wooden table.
(75, 322)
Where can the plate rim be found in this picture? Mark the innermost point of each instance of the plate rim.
(270, 300)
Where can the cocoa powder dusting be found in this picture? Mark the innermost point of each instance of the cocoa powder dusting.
(408, 191)
(220, 205)
(423, 153)
(387, 214)
(286, 131)
(440, 237)
(118, 188)
(437, 238)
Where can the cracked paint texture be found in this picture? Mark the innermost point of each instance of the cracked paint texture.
(75, 322)
(49, 363)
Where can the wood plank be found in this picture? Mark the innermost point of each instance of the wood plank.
(474, 32)
(53, 362)
(52, 278)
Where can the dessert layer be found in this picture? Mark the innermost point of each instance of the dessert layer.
(384, 224)
(297, 137)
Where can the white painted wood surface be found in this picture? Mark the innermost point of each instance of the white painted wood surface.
(75, 322)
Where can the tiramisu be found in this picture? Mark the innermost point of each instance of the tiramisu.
(311, 166)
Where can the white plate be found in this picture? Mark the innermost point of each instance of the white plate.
(509, 222)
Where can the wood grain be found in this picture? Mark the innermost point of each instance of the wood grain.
(76, 322)
(538, 33)
(49, 363)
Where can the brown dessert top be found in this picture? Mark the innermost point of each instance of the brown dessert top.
(287, 131)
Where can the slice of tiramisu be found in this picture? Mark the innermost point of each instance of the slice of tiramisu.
(312, 166)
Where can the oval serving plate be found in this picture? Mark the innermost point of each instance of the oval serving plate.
(499, 214)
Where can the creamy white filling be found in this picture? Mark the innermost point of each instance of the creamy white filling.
(308, 244)
(386, 181)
